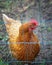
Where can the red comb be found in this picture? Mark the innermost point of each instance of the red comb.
(34, 21)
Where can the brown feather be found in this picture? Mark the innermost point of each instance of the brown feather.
(25, 51)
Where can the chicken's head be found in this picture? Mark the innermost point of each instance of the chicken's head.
(33, 24)
(29, 26)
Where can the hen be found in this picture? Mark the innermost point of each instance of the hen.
(25, 44)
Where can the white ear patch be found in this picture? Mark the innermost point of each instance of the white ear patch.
(5, 18)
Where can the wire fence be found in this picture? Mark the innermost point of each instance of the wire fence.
(44, 57)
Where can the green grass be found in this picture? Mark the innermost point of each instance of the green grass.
(2, 63)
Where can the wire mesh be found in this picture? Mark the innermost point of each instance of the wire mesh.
(44, 56)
